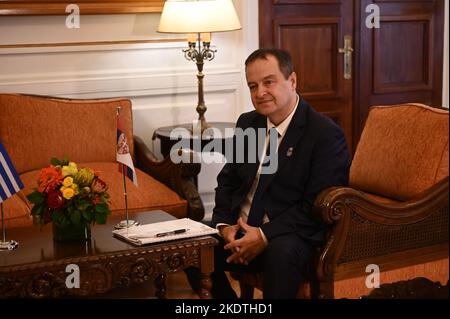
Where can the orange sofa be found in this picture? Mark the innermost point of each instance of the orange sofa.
(35, 128)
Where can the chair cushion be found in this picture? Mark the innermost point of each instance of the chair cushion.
(150, 195)
(402, 152)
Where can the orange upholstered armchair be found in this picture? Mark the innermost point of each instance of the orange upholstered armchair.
(35, 128)
(394, 214)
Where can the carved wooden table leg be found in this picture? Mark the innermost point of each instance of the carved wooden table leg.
(205, 286)
(160, 284)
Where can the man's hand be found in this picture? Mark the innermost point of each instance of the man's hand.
(248, 247)
(229, 232)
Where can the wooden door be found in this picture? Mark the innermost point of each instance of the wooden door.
(313, 31)
(399, 62)
(402, 60)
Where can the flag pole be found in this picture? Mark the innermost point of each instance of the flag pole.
(3, 224)
(10, 245)
(124, 223)
(125, 194)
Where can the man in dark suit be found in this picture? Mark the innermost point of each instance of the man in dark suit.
(265, 218)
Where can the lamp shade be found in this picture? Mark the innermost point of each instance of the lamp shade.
(196, 16)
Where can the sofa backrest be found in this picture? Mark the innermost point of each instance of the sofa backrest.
(35, 128)
(402, 152)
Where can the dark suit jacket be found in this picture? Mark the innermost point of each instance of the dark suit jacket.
(319, 159)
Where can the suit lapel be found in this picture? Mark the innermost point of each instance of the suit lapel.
(289, 143)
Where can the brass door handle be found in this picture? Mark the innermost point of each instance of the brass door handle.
(347, 50)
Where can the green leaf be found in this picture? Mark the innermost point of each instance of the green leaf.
(59, 218)
(75, 217)
(100, 218)
(36, 197)
(101, 208)
(87, 215)
(65, 160)
(54, 161)
(37, 210)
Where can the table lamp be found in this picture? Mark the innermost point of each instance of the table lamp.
(198, 18)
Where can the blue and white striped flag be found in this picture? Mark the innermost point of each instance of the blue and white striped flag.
(10, 182)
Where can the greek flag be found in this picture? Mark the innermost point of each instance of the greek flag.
(10, 182)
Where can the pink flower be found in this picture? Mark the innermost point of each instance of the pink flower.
(98, 186)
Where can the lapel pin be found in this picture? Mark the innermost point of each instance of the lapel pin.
(289, 152)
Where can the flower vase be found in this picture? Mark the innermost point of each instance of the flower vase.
(72, 233)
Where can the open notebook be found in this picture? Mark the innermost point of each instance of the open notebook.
(164, 231)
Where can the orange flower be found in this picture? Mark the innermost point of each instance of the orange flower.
(49, 179)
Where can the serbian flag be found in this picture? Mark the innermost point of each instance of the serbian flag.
(10, 182)
(123, 153)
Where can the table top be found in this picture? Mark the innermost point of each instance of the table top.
(36, 245)
(217, 130)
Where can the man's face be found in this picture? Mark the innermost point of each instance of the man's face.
(272, 95)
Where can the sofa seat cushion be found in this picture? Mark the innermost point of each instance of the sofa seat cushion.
(150, 195)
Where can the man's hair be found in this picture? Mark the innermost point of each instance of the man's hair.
(283, 57)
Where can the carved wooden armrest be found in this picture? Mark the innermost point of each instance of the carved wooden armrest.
(362, 229)
(179, 177)
(332, 203)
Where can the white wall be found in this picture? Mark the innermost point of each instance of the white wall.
(123, 55)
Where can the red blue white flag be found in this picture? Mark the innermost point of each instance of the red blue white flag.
(123, 153)
(10, 182)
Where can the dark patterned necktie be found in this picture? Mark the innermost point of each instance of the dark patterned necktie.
(256, 213)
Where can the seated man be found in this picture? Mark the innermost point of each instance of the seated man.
(263, 208)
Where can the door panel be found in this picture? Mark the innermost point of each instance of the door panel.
(402, 60)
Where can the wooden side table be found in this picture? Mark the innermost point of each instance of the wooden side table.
(224, 129)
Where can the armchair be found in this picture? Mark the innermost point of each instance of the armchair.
(393, 214)
(35, 128)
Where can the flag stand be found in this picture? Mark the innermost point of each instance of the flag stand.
(125, 223)
(10, 245)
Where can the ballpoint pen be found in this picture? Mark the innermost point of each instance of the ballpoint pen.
(173, 232)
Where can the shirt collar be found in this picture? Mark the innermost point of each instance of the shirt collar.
(283, 126)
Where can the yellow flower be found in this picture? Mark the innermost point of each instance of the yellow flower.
(67, 193)
(75, 188)
(70, 169)
(68, 181)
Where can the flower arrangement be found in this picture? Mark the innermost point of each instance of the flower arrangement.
(67, 195)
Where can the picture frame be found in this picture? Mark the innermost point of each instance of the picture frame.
(58, 7)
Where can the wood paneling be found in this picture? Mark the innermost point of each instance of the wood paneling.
(58, 7)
